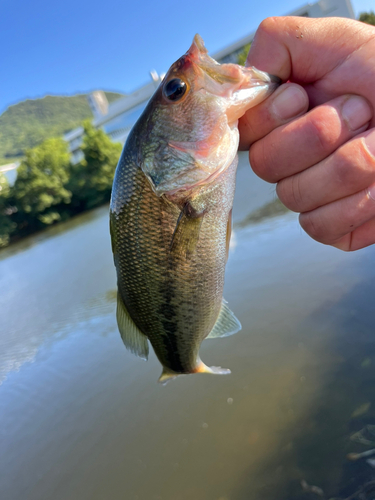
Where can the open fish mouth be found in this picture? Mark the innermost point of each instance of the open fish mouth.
(239, 85)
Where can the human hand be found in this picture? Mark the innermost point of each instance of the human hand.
(323, 161)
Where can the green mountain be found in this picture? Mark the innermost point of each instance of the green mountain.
(26, 124)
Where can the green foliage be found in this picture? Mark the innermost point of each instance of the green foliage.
(241, 57)
(6, 224)
(49, 189)
(40, 185)
(367, 17)
(91, 179)
(30, 122)
(9, 159)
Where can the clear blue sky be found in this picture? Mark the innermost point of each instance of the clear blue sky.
(52, 47)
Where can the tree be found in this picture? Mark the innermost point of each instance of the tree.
(49, 189)
(6, 224)
(91, 179)
(367, 17)
(41, 185)
(241, 57)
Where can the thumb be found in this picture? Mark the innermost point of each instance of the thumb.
(306, 51)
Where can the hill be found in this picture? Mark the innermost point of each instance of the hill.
(26, 124)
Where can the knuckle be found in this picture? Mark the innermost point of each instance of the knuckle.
(325, 130)
(261, 161)
(313, 224)
(345, 170)
(268, 25)
(352, 166)
(289, 192)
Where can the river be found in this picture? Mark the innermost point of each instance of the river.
(83, 419)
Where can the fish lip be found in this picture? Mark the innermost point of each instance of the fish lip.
(265, 78)
(229, 80)
(275, 79)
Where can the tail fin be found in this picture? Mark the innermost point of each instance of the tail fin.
(215, 370)
(168, 374)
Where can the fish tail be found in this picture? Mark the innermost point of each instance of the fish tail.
(216, 370)
(168, 374)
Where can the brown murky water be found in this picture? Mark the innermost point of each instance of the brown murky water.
(82, 419)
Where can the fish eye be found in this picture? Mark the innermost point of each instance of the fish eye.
(175, 89)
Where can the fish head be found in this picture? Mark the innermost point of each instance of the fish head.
(189, 128)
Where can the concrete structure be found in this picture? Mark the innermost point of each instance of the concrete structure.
(123, 113)
(10, 171)
(98, 103)
(119, 119)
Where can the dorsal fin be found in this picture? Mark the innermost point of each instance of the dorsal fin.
(132, 337)
(226, 323)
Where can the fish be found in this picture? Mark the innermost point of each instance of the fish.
(171, 206)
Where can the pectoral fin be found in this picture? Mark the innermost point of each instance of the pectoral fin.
(112, 232)
(132, 337)
(186, 235)
(226, 324)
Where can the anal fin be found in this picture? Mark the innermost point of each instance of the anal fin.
(226, 324)
(132, 337)
(167, 375)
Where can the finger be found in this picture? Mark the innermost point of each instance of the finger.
(348, 170)
(306, 51)
(309, 139)
(287, 102)
(360, 238)
(331, 224)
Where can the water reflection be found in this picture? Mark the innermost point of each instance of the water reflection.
(81, 418)
(49, 232)
(270, 210)
(98, 311)
(41, 290)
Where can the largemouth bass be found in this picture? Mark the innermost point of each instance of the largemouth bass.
(170, 213)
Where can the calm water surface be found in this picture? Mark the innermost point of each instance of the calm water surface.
(83, 419)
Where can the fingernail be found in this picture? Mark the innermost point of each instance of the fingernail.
(356, 112)
(289, 102)
(370, 142)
